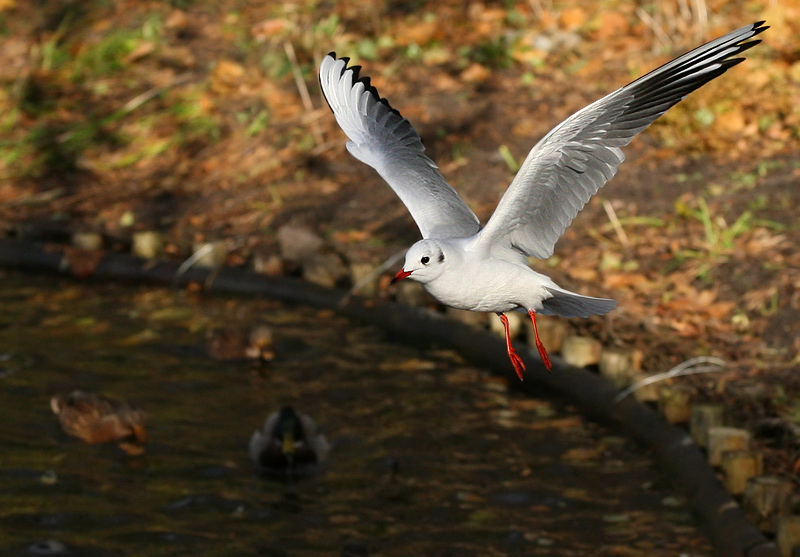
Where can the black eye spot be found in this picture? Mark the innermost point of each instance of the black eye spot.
(425, 259)
(441, 256)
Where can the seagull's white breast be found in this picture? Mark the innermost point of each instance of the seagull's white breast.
(478, 283)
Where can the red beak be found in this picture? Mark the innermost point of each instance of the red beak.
(401, 274)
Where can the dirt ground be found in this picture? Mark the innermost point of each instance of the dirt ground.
(203, 121)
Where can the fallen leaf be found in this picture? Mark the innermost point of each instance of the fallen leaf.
(637, 281)
(177, 19)
(269, 28)
(144, 336)
(420, 33)
(227, 75)
(142, 49)
(684, 328)
(572, 18)
(612, 24)
(475, 73)
(730, 123)
(720, 310)
(705, 298)
(583, 453)
(568, 423)
(584, 274)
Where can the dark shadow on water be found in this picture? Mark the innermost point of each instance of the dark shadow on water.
(429, 457)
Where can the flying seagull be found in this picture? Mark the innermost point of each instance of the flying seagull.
(467, 266)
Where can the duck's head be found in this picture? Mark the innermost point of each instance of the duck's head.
(289, 431)
(425, 261)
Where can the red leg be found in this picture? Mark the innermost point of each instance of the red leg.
(516, 361)
(539, 345)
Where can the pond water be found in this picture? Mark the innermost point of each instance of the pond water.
(430, 455)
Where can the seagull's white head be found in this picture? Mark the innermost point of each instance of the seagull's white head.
(425, 261)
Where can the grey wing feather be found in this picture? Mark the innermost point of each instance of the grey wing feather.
(582, 153)
(569, 304)
(383, 139)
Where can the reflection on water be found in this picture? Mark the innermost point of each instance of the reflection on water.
(430, 456)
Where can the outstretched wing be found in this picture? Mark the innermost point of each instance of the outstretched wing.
(383, 139)
(582, 153)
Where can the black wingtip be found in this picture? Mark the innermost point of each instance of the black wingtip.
(759, 27)
(354, 69)
(365, 80)
(345, 59)
(748, 45)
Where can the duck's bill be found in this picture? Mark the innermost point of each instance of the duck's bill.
(401, 274)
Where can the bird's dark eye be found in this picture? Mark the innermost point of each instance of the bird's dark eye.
(425, 259)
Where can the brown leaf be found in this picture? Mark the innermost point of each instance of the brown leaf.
(720, 310)
(351, 236)
(584, 274)
(684, 328)
(612, 24)
(583, 453)
(475, 73)
(566, 424)
(730, 124)
(132, 449)
(420, 33)
(572, 18)
(637, 281)
(142, 49)
(227, 74)
(705, 298)
(269, 28)
(177, 19)
(757, 299)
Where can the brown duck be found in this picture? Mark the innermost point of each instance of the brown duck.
(97, 419)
